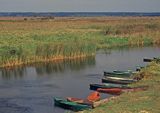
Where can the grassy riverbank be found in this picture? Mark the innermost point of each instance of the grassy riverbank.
(137, 102)
(24, 41)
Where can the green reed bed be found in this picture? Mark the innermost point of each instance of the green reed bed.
(17, 55)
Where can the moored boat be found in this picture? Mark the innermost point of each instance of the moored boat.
(151, 59)
(80, 101)
(117, 74)
(115, 81)
(112, 85)
(147, 60)
(114, 91)
(70, 105)
(121, 78)
(125, 72)
(96, 86)
(94, 96)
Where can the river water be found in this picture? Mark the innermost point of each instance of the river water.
(31, 89)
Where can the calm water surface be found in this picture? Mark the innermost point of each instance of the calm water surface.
(31, 89)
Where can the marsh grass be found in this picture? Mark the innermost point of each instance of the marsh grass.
(31, 41)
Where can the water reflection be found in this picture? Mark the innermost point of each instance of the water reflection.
(108, 51)
(61, 66)
(15, 73)
(48, 68)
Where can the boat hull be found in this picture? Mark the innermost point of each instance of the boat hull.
(80, 101)
(121, 78)
(70, 105)
(113, 91)
(117, 74)
(125, 82)
(96, 86)
(147, 60)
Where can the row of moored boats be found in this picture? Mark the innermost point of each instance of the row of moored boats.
(114, 83)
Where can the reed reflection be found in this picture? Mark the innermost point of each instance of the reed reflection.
(12, 73)
(61, 66)
(47, 68)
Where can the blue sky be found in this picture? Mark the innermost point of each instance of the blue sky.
(79, 5)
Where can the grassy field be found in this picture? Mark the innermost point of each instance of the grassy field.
(137, 102)
(28, 40)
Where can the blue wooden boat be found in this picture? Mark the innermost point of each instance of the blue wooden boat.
(70, 105)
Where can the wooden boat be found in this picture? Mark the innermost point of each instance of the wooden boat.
(112, 85)
(94, 96)
(147, 60)
(125, 72)
(117, 71)
(96, 86)
(115, 81)
(98, 103)
(72, 99)
(117, 74)
(70, 105)
(80, 101)
(114, 91)
(150, 60)
(121, 78)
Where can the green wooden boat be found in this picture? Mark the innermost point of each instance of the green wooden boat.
(96, 86)
(120, 74)
(70, 105)
(111, 85)
(125, 72)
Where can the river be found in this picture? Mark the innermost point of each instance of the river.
(30, 89)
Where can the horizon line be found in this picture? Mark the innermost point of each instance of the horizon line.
(78, 12)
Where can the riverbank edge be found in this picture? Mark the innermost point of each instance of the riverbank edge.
(137, 102)
(43, 60)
